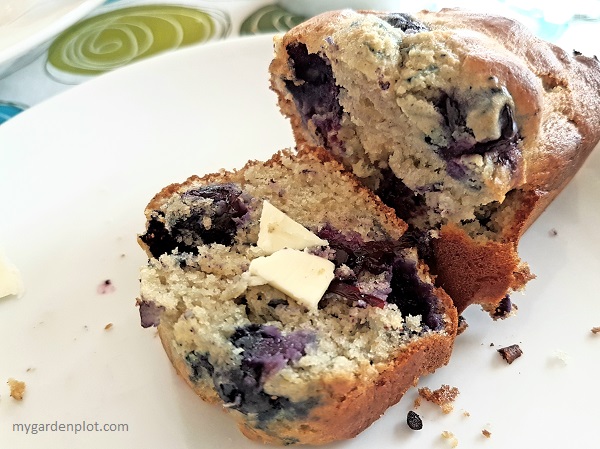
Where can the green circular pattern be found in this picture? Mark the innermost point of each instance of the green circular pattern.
(270, 19)
(119, 37)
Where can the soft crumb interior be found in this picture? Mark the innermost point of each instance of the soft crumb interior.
(209, 295)
(349, 339)
(394, 90)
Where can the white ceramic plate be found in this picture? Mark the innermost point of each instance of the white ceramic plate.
(26, 25)
(75, 175)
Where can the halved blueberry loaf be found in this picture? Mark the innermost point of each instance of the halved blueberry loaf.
(466, 124)
(288, 293)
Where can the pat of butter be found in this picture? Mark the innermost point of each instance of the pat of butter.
(300, 275)
(278, 231)
(10, 279)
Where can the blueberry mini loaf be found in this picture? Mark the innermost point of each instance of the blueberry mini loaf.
(466, 124)
(289, 294)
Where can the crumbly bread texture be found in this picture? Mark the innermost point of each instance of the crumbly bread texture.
(289, 375)
(465, 123)
(17, 389)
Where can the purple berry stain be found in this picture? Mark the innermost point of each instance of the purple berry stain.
(225, 214)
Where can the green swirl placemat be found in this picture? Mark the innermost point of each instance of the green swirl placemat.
(270, 19)
(121, 36)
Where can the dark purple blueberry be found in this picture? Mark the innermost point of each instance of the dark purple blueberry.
(393, 192)
(504, 150)
(350, 250)
(315, 92)
(414, 420)
(456, 169)
(265, 351)
(157, 238)
(508, 125)
(413, 296)
(239, 390)
(421, 240)
(150, 313)
(504, 308)
(453, 116)
(404, 22)
(199, 366)
(226, 212)
(278, 302)
(353, 294)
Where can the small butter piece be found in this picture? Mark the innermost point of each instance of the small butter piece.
(278, 231)
(10, 279)
(300, 275)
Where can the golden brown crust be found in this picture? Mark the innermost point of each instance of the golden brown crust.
(347, 407)
(475, 272)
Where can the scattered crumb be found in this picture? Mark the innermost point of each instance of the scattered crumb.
(450, 437)
(443, 396)
(462, 325)
(122, 256)
(108, 326)
(414, 421)
(491, 344)
(552, 232)
(11, 282)
(510, 353)
(486, 433)
(105, 287)
(466, 413)
(28, 370)
(417, 403)
(596, 330)
(561, 356)
(17, 389)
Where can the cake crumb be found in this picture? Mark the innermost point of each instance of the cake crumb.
(414, 421)
(417, 402)
(11, 282)
(510, 353)
(486, 433)
(108, 326)
(596, 330)
(562, 357)
(17, 389)
(462, 325)
(466, 413)
(443, 396)
(105, 287)
(553, 232)
(450, 437)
